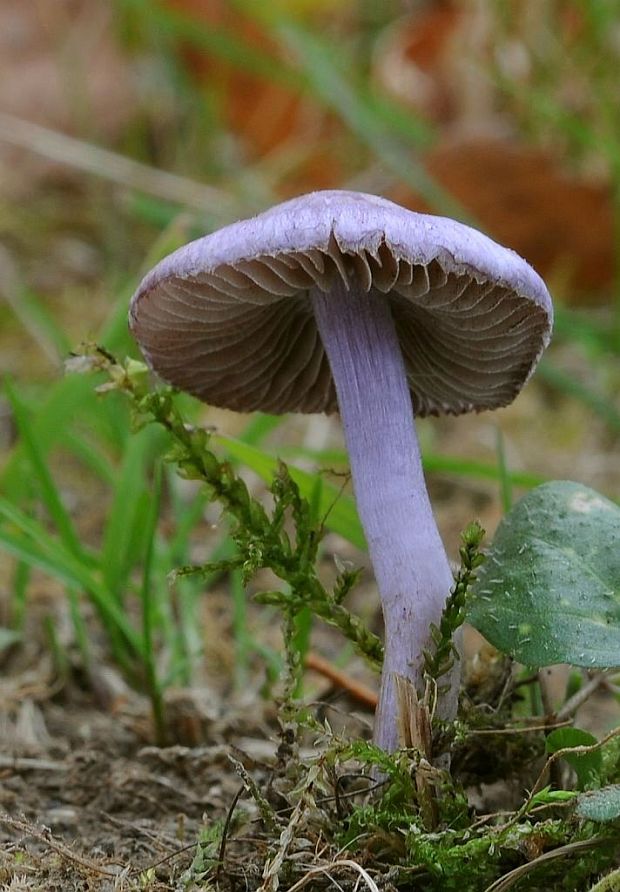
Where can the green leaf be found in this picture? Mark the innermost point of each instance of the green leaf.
(259, 426)
(586, 765)
(547, 796)
(600, 805)
(149, 612)
(550, 589)
(337, 509)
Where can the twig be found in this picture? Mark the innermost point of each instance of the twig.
(356, 689)
(579, 698)
(544, 679)
(553, 758)
(267, 814)
(115, 167)
(222, 852)
(352, 865)
(165, 860)
(524, 730)
(23, 763)
(45, 836)
(492, 816)
(509, 879)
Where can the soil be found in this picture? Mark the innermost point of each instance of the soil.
(89, 804)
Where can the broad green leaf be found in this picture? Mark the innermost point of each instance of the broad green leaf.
(586, 765)
(549, 591)
(338, 509)
(600, 805)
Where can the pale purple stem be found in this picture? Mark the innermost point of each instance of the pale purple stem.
(410, 564)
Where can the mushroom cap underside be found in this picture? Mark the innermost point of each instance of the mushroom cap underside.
(229, 316)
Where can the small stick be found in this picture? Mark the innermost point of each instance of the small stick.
(525, 729)
(351, 865)
(573, 703)
(225, 830)
(24, 763)
(356, 689)
(544, 681)
(44, 836)
(93, 159)
(553, 758)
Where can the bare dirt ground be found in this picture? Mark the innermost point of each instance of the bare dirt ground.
(87, 803)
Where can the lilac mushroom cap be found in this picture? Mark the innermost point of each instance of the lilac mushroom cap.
(345, 301)
(229, 319)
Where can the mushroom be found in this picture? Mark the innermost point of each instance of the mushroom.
(341, 301)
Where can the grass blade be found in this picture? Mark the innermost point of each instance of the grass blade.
(329, 83)
(19, 595)
(432, 463)
(46, 485)
(34, 545)
(337, 508)
(149, 612)
(568, 384)
(91, 456)
(64, 402)
(224, 43)
(37, 321)
(259, 426)
(505, 484)
(126, 516)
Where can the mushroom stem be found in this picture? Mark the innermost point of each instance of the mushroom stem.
(410, 564)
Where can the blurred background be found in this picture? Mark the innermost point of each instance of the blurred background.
(130, 126)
